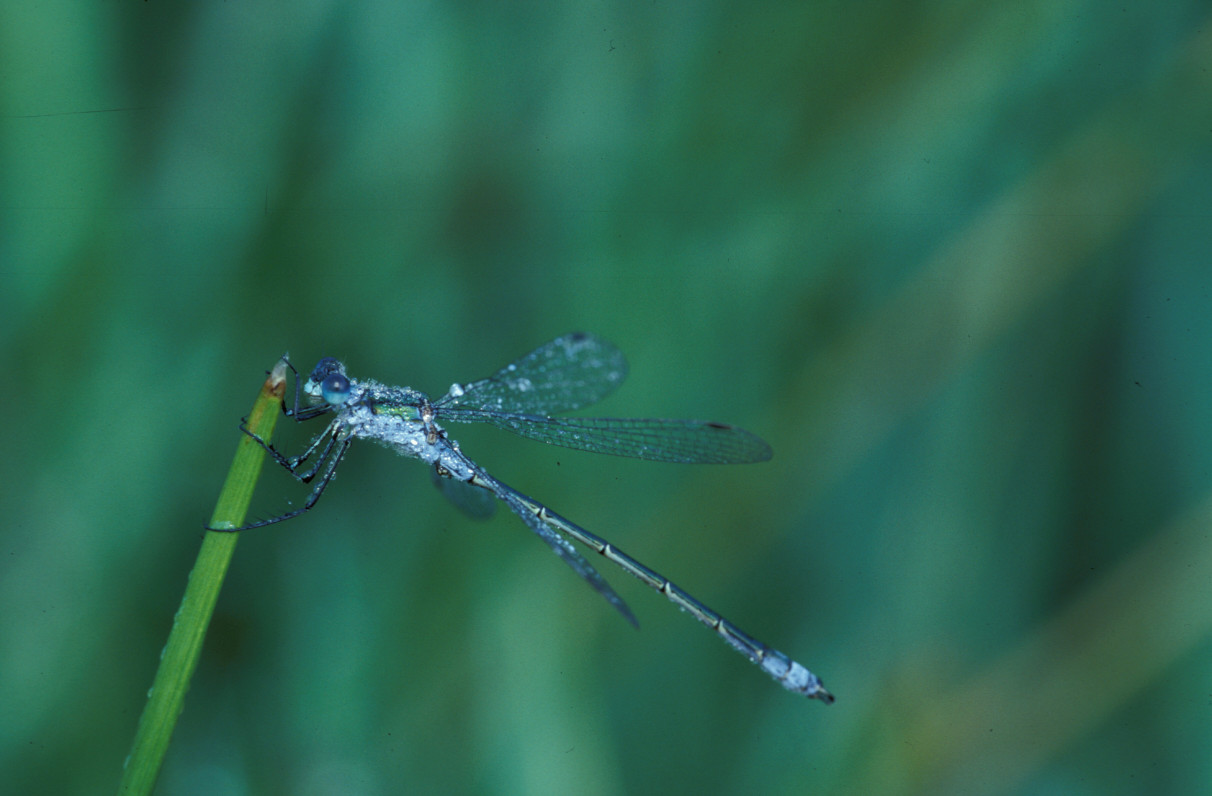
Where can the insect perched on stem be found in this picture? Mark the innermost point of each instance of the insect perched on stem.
(568, 373)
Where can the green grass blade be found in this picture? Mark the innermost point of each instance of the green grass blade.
(180, 657)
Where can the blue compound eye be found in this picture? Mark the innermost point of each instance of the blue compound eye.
(324, 367)
(335, 388)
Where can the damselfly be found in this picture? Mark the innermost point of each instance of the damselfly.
(567, 373)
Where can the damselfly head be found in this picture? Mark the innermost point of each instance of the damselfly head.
(328, 382)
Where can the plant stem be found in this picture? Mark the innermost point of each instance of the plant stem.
(180, 656)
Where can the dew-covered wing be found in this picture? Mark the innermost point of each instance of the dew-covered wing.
(567, 373)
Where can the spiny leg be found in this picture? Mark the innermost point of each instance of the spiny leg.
(291, 463)
(333, 460)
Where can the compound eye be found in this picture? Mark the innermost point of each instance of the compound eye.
(324, 367)
(335, 389)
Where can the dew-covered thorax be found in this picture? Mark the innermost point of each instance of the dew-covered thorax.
(390, 416)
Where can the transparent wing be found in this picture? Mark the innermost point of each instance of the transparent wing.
(476, 502)
(683, 441)
(572, 371)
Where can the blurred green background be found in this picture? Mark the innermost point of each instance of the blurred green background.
(952, 260)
